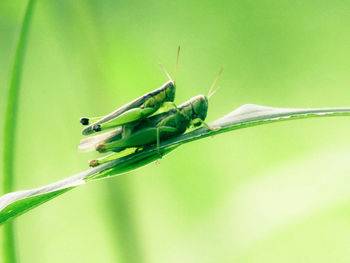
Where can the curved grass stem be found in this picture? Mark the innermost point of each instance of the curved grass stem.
(9, 250)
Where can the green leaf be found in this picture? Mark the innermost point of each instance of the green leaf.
(16, 203)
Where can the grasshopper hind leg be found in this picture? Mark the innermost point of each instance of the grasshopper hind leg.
(113, 156)
(147, 136)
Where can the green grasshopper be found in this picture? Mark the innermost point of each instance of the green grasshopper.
(153, 129)
(137, 109)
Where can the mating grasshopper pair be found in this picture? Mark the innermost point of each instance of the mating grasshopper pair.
(144, 122)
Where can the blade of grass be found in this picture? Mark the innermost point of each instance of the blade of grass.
(9, 250)
(16, 203)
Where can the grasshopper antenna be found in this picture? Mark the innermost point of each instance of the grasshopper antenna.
(177, 62)
(211, 92)
(165, 71)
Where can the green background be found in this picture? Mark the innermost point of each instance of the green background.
(275, 193)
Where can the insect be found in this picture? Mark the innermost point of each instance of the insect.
(137, 109)
(155, 128)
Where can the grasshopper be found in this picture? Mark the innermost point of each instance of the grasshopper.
(137, 109)
(150, 131)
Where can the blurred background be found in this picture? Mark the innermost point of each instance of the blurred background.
(275, 193)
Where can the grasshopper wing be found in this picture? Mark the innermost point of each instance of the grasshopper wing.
(89, 144)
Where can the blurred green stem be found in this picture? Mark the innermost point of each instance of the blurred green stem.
(123, 219)
(9, 250)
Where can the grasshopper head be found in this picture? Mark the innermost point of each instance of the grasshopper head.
(200, 107)
(170, 90)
